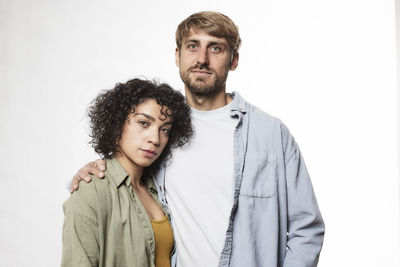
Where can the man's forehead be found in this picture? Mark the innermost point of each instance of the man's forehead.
(201, 35)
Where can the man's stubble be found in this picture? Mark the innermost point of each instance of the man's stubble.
(200, 86)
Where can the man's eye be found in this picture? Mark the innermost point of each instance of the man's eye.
(216, 49)
(192, 46)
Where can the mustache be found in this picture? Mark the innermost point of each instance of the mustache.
(201, 67)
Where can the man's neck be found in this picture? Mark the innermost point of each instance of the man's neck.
(204, 102)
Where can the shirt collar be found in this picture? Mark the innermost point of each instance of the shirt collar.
(238, 103)
(116, 172)
(118, 175)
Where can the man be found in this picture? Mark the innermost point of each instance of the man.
(239, 194)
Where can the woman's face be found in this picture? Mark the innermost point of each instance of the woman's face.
(144, 134)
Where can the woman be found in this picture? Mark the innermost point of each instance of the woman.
(118, 220)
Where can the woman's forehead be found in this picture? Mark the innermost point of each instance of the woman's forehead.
(152, 110)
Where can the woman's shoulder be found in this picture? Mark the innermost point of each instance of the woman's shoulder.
(86, 199)
(97, 193)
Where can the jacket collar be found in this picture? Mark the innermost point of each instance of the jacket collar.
(239, 104)
(118, 175)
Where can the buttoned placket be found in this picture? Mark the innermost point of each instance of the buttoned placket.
(240, 147)
(144, 218)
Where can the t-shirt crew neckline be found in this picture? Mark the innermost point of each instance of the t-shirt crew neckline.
(213, 112)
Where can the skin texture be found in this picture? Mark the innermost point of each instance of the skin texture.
(204, 62)
(143, 138)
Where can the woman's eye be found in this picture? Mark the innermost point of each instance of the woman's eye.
(144, 123)
(165, 130)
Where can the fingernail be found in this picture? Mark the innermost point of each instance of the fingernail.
(75, 186)
(101, 174)
(102, 168)
(87, 179)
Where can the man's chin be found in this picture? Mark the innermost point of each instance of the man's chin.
(201, 86)
(203, 90)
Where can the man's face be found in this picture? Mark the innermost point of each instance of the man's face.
(204, 62)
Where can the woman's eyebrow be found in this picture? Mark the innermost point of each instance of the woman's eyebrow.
(146, 115)
(167, 123)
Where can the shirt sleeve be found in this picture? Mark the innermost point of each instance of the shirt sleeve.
(81, 230)
(305, 224)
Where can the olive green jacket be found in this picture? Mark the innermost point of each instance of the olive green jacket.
(105, 224)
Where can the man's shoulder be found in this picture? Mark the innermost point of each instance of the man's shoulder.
(264, 127)
(262, 119)
(261, 114)
(256, 114)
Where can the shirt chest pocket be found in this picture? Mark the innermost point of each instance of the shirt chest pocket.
(259, 175)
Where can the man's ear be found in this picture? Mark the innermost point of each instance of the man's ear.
(177, 57)
(234, 61)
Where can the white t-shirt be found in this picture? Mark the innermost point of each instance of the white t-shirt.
(199, 188)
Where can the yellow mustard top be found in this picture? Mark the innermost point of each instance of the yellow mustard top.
(164, 240)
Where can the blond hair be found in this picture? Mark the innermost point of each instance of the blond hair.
(213, 23)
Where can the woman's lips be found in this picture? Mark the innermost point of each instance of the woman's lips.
(148, 153)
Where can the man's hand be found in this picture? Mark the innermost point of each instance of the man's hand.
(96, 168)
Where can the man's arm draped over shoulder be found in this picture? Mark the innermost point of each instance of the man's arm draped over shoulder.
(96, 168)
(305, 225)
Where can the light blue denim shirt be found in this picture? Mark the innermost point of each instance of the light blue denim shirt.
(274, 220)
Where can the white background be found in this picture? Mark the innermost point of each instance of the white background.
(326, 68)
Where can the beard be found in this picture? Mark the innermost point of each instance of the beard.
(204, 86)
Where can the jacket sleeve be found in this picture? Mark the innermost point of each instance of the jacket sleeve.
(80, 231)
(305, 224)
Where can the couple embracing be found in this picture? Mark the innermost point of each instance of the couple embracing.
(201, 180)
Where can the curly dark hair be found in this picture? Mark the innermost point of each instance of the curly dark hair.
(109, 111)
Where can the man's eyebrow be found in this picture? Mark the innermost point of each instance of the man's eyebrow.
(209, 44)
(146, 115)
(216, 43)
(191, 41)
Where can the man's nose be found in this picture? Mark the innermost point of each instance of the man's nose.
(202, 59)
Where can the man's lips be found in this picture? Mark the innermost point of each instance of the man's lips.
(201, 72)
(148, 153)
